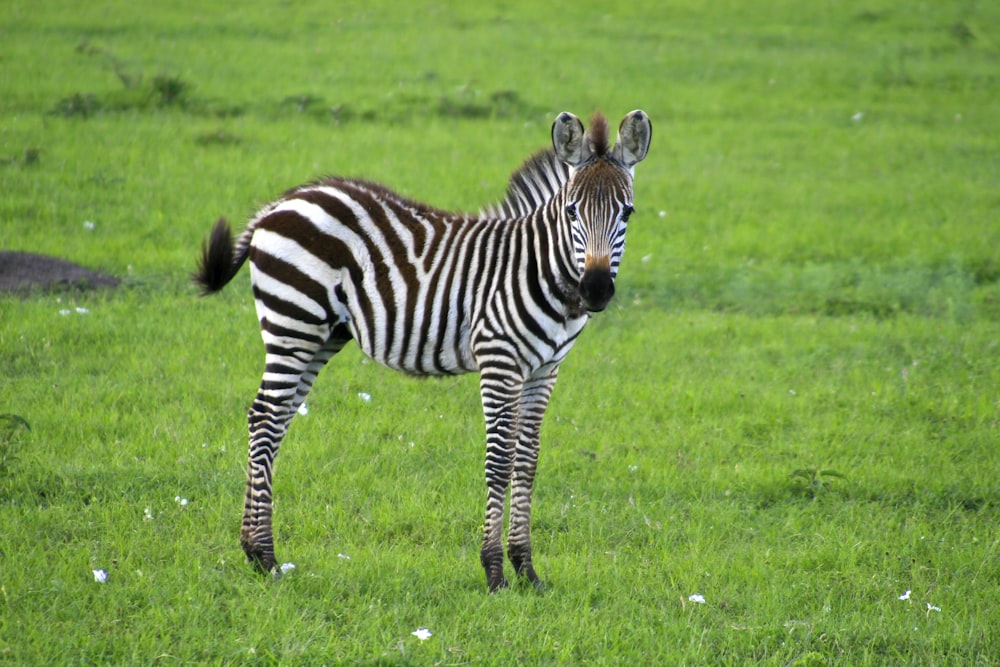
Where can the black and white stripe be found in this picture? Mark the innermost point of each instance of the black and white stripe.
(428, 292)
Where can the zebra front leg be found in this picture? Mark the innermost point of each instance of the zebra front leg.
(500, 395)
(534, 400)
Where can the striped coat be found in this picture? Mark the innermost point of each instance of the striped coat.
(504, 293)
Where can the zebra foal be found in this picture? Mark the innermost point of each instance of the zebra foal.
(428, 292)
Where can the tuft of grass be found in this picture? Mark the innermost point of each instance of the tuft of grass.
(163, 91)
(11, 428)
(218, 138)
(816, 480)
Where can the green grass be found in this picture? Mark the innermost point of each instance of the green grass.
(812, 286)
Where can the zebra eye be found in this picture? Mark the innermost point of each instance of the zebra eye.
(626, 212)
(571, 212)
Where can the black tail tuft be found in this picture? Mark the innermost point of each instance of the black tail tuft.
(216, 266)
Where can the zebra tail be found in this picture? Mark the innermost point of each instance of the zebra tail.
(219, 261)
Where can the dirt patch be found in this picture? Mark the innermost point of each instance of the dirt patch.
(22, 272)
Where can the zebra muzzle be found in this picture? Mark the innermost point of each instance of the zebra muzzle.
(596, 289)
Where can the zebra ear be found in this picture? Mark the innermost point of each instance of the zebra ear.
(567, 140)
(634, 135)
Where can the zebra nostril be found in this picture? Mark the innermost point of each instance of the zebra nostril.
(596, 289)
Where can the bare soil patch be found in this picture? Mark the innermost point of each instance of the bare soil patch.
(22, 272)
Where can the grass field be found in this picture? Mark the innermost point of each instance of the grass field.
(790, 410)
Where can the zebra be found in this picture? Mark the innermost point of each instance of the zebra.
(429, 292)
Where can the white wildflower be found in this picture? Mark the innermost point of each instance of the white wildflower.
(287, 567)
(180, 501)
(365, 396)
(858, 116)
(65, 311)
(100, 576)
(422, 634)
(906, 595)
(82, 311)
(147, 515)
(931, 607)
(88, 225)
(343, 557)
(700, 599)
(303, 409)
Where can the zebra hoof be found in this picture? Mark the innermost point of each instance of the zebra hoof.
(533, 581)
(262, 562)
(264, 567)
(497, 584)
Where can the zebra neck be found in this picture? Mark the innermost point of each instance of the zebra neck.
(548, 237)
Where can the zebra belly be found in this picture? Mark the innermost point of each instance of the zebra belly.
(410, 344)
(428, 359)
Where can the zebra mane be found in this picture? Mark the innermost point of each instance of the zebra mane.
(537, 181)
(598, 135)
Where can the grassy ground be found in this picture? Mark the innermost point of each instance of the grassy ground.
(791, 409)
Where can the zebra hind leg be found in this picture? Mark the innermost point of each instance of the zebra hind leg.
(288, 377)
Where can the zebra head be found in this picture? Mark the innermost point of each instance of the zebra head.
(596, 201)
